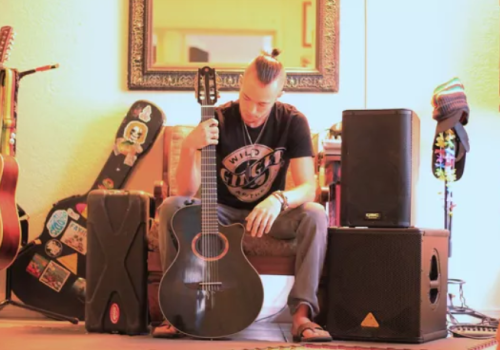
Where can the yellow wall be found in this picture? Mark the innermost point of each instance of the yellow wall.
(68, 117)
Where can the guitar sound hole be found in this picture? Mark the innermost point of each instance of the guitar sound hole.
(210, 246)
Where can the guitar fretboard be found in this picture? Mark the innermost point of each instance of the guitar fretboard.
(9, 87)
(208, 181)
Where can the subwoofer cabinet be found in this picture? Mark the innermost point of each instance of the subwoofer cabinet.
(387, 284)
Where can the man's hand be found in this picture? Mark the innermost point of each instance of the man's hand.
(206, 133)
(262, 217)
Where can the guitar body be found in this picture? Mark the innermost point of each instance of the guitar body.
(10, 228)
(234, 298)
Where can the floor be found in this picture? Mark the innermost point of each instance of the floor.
(53, 335)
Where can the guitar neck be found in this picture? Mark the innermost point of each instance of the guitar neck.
(9, 86)
(208, 181)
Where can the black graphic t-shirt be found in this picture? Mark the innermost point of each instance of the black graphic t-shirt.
(247, 173)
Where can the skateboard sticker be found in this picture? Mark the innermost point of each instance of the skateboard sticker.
(79, 288)
(53, 248)
(75, 237)
(57, 222)
(70, 262)
(72, 214)
(54, 276)
(36, 265)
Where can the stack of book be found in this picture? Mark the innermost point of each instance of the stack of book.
(331, 161)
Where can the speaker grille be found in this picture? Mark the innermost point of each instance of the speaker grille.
(377, 273)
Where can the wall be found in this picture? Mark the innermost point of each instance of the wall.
(68, 117)
(413, 47)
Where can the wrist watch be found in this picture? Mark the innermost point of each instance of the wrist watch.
(282, 198)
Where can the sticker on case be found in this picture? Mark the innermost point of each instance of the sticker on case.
(70, 262)
(53, 248)
(107, 184)
(54, 276)
(134, 136)
(72, 214)
(145, 115)
(79, 288)
(57, 222)
(75, 237)
(36, 265)
(82, 209)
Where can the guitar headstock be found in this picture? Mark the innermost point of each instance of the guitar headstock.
(206, 86)
(6, 42)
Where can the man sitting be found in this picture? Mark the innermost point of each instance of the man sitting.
(253, 127)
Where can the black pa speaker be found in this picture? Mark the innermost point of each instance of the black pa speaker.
(387, 284)
(380, 164)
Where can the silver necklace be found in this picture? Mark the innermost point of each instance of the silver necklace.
(247, 169)
(248, 134)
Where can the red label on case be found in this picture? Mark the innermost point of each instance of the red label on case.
(114, 313)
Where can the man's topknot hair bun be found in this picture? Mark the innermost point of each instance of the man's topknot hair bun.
(268, 67)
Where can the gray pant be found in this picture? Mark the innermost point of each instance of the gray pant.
(307, 223)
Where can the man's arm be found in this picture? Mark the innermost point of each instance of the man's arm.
(188, 171)
(305, 184)
(261, 218)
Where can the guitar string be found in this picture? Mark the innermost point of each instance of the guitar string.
(210, 234)
(205, 221)
(202, 237)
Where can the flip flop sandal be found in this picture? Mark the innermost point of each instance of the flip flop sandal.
(298, 338)
(157, 333)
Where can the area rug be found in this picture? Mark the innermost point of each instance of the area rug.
(332, 347)
(484, 345)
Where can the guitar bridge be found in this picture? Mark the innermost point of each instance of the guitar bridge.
(209, 285)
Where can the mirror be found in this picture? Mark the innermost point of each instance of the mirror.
(170, 39)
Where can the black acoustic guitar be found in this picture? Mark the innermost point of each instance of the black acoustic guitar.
(211, 290)
(50, 273)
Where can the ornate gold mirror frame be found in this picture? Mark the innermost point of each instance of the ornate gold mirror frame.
(143, 76)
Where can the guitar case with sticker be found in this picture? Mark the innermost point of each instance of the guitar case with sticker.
(50, 272)
(117, 251)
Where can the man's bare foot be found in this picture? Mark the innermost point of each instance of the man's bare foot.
(303, 330)
(165, 330)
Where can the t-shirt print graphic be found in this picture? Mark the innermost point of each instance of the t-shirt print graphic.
(250, 171)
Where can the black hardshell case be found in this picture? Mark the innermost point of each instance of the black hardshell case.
(116, 294)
